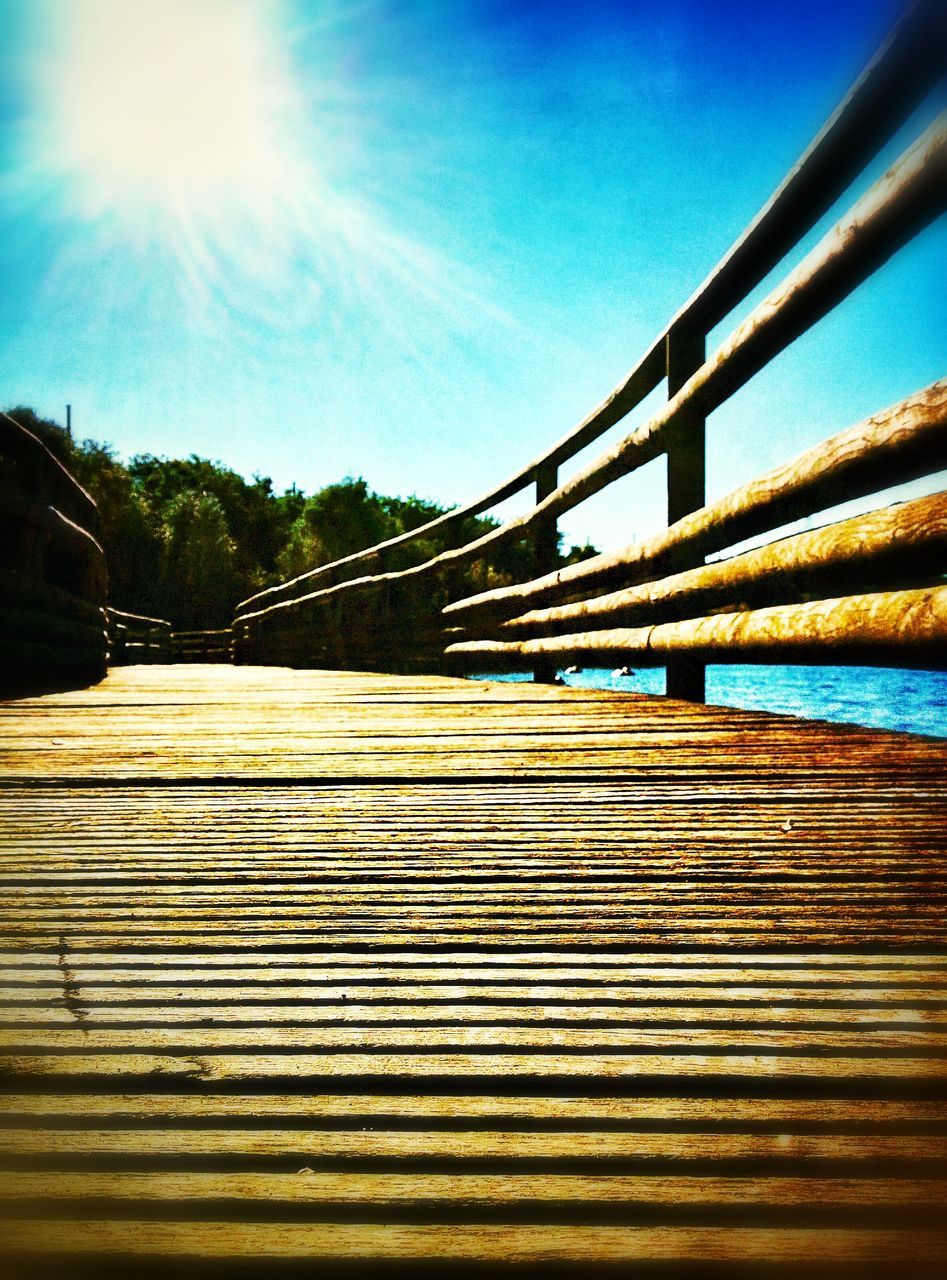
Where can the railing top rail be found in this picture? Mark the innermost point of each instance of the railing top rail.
(122, 615)
(888, 215)
(900, 443)
(892, 86)
(15, 433)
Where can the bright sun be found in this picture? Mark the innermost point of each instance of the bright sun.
(186, 129)
(168, 105)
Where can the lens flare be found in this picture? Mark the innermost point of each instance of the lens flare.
(184, 130)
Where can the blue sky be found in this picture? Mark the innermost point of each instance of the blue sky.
(417, 241)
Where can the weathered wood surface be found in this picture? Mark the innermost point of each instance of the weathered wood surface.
(905, 441)
(899, 542)
(135, 638)
(245, 724)
(321, 966)
(53, 579)
(202, 646)
(900, 628)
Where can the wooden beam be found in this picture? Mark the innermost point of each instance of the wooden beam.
(910, 195)
(686, 478)
(18, 444)
(900, 443)
(897, 79)
(545, 552)
(905, 543)
(905, 69)
(894, 628)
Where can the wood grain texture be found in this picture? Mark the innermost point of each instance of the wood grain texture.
(901, 627)
(323, 966)
(507, 1244)
(904, 540)
(900, 442)
(52, 566)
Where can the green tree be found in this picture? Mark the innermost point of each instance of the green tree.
(202, 582)
(130, 534)
(346, 517)
(187, 538)
(256, 522)
(577, 552)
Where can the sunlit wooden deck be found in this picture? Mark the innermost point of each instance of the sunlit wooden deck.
(302, 966)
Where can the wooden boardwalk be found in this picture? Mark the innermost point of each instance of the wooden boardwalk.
(308, 966)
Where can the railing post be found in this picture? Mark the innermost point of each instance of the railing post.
(545, 553)
(685, 351)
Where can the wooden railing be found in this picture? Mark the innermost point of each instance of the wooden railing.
(865, 590)
(135, 638)
(202, 646)
(55, 624)
(53, 579)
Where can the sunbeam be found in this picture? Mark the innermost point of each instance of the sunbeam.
(183, 129)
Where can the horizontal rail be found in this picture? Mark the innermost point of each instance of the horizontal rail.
(201, 635)
(52, 529)
(20, 592)
(120, 615)
(900, 443)
(893, 627)
(45, 627)
(890, 214)
(135, 637)
(909, 196)
(894, 83)
(904, 542)
(202, 646)
(71, 536)
(905, 69)
(842, 581)
(50, 478)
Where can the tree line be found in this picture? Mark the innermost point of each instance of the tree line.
(188, 538)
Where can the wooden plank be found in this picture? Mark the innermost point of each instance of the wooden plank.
(460, 1003)
(910, 934)
(122, 986)
(498, 1036)
(458, 907)
(460, 1145)
(707, 965)
(912, 1114)
(552, 1190)
(505, 1244)
(488, 1066)
(206, 1010)
(729, 972)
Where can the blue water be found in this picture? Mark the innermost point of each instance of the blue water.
(911, 701)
